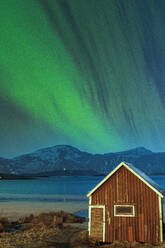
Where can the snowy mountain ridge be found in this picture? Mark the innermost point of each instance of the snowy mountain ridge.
(67, 158)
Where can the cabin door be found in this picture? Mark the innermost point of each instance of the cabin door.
(97, 222)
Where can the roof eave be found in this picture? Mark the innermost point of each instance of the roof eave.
(130, 169)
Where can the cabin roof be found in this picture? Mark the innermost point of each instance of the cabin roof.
(140, 174)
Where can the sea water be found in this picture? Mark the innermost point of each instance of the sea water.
(50, 189)
(55, 188)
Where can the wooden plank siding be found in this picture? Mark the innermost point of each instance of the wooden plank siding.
(123, 187)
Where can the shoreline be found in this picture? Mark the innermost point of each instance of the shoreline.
(14, 210)
(17, 209)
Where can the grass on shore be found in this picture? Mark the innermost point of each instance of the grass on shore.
(54, 229)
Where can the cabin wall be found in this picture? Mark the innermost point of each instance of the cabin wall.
(123, 187)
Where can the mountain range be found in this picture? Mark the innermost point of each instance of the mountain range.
(68, 160)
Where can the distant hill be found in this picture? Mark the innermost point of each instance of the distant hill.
(68, 160)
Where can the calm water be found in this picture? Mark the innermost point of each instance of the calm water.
(53, 189)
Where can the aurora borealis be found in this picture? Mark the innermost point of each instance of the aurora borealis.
(88, 73)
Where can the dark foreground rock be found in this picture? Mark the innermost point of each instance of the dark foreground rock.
(54, 229)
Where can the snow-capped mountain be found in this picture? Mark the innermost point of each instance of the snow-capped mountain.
(66, 159)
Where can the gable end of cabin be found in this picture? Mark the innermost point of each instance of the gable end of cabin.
(126, 203)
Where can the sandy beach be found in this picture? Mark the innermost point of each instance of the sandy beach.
(16, 209)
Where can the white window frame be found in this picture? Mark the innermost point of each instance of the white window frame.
(125, 215)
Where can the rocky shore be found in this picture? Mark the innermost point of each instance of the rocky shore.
(53, 229)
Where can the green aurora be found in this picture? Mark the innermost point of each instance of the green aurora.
(85, 73)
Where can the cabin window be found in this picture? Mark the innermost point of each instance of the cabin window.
(124, 210)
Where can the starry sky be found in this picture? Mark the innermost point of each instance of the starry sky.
(87, 73)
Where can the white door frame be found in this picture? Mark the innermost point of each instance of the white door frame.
(89, 223)
(161, 219)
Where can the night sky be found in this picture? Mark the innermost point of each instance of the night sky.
(88, 73)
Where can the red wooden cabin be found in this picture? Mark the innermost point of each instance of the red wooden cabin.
(126, 205)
